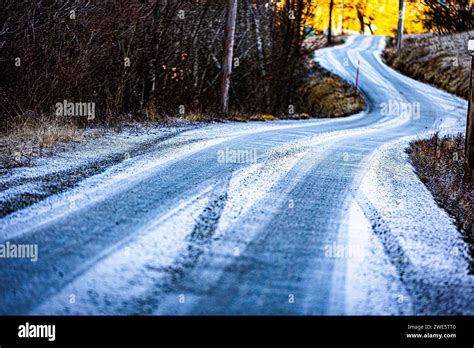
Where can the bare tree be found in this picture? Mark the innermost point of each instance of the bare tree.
(228, 55)
(151, 59)
(448, 16)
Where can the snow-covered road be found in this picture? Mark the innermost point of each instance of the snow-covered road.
(294, 217)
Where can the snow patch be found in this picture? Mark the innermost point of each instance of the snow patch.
(133, 267)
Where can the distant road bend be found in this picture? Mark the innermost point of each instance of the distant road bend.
(314, 217)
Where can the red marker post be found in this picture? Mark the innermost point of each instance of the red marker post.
(357, 81)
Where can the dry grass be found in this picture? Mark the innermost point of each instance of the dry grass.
(253, 117)
(320, 41)
(30, 135)
(439, 162)
(323, 94)
(263, 117)
(442, 61)
(327, 95)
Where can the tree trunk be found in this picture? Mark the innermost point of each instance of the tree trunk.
(342, 18)
(360, 16)
(331, 4)
(401, 17)
(228, 56)
(261, 53)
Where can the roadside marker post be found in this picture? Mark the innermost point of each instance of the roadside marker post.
(469, 150)
(357, 81)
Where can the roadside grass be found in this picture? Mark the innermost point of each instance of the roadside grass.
(441, 60)
(27, 136)
(439, 162)
(320, 41)
(323, 94)
(327, 95)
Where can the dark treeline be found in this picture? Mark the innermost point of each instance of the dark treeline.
(449, 16)
(147, 58)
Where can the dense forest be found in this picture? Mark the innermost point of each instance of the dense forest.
(157, 58)
(148, 58)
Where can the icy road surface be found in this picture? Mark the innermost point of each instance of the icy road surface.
(315, 217)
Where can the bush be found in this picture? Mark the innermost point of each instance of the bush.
(439, 162)
(149, 59)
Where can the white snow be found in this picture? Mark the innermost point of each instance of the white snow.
(132, 267)
(428, 237)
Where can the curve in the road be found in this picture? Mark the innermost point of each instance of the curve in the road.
(205, 237)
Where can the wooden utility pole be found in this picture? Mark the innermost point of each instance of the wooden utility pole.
(331, 5)
(401, 18)
(228, 56)
(470, 120)
(342, 17)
